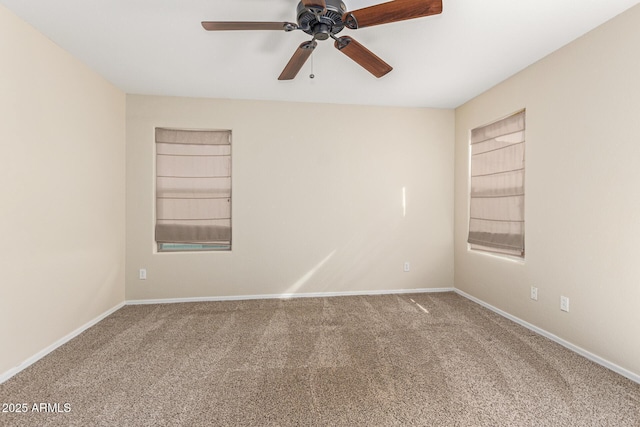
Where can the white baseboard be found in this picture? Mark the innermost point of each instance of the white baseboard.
(42, 353)
(287, 296)
(594, 358)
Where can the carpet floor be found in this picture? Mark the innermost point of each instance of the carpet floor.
(418, 359)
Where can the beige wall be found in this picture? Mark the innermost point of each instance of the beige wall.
(582, 198)
(62, 189)
(317, 199)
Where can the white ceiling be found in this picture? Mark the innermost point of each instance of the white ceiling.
(158, 47)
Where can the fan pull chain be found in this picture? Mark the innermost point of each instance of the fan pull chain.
(312, 76)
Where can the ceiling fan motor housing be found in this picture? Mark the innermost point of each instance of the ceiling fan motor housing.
(322, 24)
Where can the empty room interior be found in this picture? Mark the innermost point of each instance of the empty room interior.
(344, 279)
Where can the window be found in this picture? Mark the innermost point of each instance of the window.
(193, 190)
(496, 214)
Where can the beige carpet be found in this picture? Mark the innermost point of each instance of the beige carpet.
(421, 359)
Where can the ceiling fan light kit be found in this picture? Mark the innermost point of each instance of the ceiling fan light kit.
(323, 19)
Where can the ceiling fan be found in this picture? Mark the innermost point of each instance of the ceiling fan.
(323, 19)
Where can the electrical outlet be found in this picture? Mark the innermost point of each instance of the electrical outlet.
(406, 266)
(534, 293)
(142, 274)
(564, 304)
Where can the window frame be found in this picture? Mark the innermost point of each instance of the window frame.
(489, 250)
(168, 247)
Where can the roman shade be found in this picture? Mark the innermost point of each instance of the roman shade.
(496, 220)
(193, 187)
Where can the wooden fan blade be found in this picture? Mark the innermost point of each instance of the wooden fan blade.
(393, 11)
(298, 59)
(319, 5)
(240, 25)
(363, 56)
